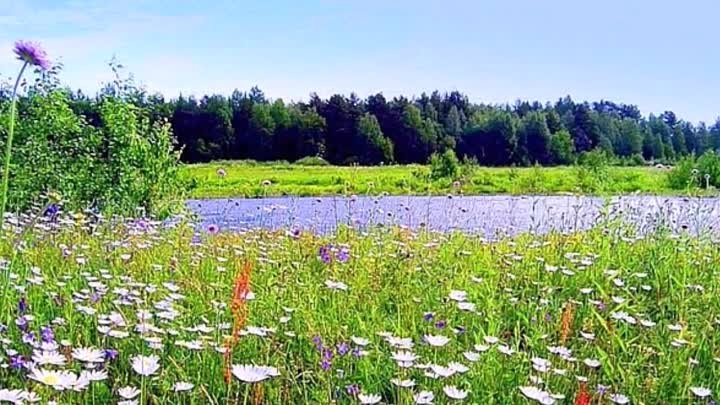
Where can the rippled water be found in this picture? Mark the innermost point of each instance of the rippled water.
(489, 215)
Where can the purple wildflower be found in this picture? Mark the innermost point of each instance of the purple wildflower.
(47, 335)
(94, 298)
(32, 53)
(325, 254)
(428, 316)
(343, 349)
(22, 323)
(326, 365)
(296, 233)
(352, 389)
(17, 362)
(343, 255)
(356, 352)
(440, 324)
(29, 338)
(213, 229)
(602, 389)
(327, 354)
(317, 340)
(111, 354)
(22, 306)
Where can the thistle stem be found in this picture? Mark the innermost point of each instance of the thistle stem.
(8, 147)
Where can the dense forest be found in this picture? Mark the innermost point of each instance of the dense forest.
(349, 130)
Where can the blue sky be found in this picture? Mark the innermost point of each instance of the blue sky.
(658, 54)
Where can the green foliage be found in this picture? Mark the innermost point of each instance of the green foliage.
(592, 171)
(562, 148)
(242, 180)
(374, 146)
(692, 172)
(312, 161)
(123, 163)
(444, 165)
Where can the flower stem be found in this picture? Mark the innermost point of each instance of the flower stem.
(8, 147)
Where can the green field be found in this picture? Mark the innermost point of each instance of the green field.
(245, 180)
(351, 318)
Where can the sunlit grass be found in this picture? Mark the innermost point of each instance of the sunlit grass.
(243, 180)
(645, 309)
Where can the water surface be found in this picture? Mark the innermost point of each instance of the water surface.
(488, 215)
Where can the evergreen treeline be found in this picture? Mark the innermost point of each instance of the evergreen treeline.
(346, 130)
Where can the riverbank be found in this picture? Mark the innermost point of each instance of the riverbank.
(233, 179)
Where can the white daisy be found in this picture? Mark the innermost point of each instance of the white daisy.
(436, 340)
(12, 396)
(701, 392)
(88, 355)
(424, 398)
(369, 399)
(252, 374)
(362, 342)
(44, 358)
(336, 285)
(472, 356)
(457, 295)
(454, 392)
(403, 383)
(537, 394)
(146, 365)
(183, 386)
(59, 380)
(619, 399)
(128, 392)
(592, 363)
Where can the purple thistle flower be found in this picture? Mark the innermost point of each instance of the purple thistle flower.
(47, 335)
(32, 53)
(343, 349)
(352, 389)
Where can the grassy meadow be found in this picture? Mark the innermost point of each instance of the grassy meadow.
(129, 312)
(237, 179)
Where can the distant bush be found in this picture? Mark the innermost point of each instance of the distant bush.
(700, 172)
(312, 161)
(592, 170)
(444, 166)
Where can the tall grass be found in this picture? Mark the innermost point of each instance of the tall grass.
(625, 315)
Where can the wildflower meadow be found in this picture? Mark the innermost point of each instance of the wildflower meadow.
(103, 303)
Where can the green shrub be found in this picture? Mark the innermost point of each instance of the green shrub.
(122, 163)
(692, 172)
(444, 166)
(312, 161)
